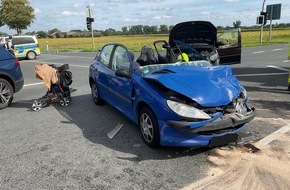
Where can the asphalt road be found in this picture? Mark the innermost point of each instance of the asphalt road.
(68, 148)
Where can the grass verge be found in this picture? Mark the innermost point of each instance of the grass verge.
(134, 43)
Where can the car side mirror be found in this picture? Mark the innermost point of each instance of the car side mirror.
(122, 73)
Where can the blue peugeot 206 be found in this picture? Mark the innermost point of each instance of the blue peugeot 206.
(176, 97)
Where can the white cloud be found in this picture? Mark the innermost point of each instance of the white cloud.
(154, 1)
(123, 1)
(77, 5)
(70, 13)
(160, 9)
(37, 11)
(118, 13)
(231, 1)
(161, 17)
(205, 13)
(132, 20)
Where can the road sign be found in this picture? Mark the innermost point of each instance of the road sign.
(274, 12)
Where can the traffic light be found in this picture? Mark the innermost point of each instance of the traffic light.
(265, 15)
(260, 19)
(89, 23)
(89, 26)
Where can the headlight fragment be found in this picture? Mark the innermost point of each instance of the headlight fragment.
(187, 111)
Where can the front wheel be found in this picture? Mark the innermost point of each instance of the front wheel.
(6, 93)
(36, 105)
(149, 128)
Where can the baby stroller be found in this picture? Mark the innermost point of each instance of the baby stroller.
(57, 80)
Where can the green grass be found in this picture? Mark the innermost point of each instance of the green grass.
(252, 38)
(134, 43)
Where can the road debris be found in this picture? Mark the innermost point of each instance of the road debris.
(115, 130)
(251, 148)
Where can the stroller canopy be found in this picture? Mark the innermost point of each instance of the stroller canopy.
(47, 74)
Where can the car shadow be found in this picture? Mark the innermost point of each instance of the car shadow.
(100, 120)
(96, 122)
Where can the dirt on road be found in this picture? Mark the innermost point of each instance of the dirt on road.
(242, 168)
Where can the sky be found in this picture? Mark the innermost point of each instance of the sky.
(67, 15)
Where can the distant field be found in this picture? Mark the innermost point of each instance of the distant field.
(134, 43)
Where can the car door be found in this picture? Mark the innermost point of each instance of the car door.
(120, 85)
(229, 46)
(103, 71)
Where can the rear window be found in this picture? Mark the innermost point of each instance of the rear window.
(18, 41)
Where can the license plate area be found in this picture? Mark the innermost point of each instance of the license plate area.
(224, 140)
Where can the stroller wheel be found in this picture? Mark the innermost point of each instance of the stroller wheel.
(36, 105)
(44, 101)
(64, 102)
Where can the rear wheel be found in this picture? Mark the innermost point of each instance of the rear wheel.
(95, 94)
(30, 55)
(64, 102)
(149, 128)
(6, 93)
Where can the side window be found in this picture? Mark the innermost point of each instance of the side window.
(120, 59)
(229, 38)
(22, 40)
(106, 54)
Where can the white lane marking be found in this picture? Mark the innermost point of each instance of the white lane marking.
(277, 134)
(33, 84)
(278, 49)
(256, 52)
(260, 74)
(279, 68)
(286, 61)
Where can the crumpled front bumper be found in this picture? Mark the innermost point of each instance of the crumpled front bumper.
(218, 124)
(220, 130)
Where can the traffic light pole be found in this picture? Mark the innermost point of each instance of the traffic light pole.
(261, 32)
(92, 30)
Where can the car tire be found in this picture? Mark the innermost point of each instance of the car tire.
(149, 128)
(289, 86)
(30, 55)
(6, 93)
(95, 94)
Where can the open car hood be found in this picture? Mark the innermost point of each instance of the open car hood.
(192, 32)
(208, 86)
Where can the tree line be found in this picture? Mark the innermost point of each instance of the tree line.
(136, 30)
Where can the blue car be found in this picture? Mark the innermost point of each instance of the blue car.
(11, 78)
(178, 99)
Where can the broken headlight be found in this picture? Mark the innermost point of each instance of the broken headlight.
(186, 111)
(239, 104)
